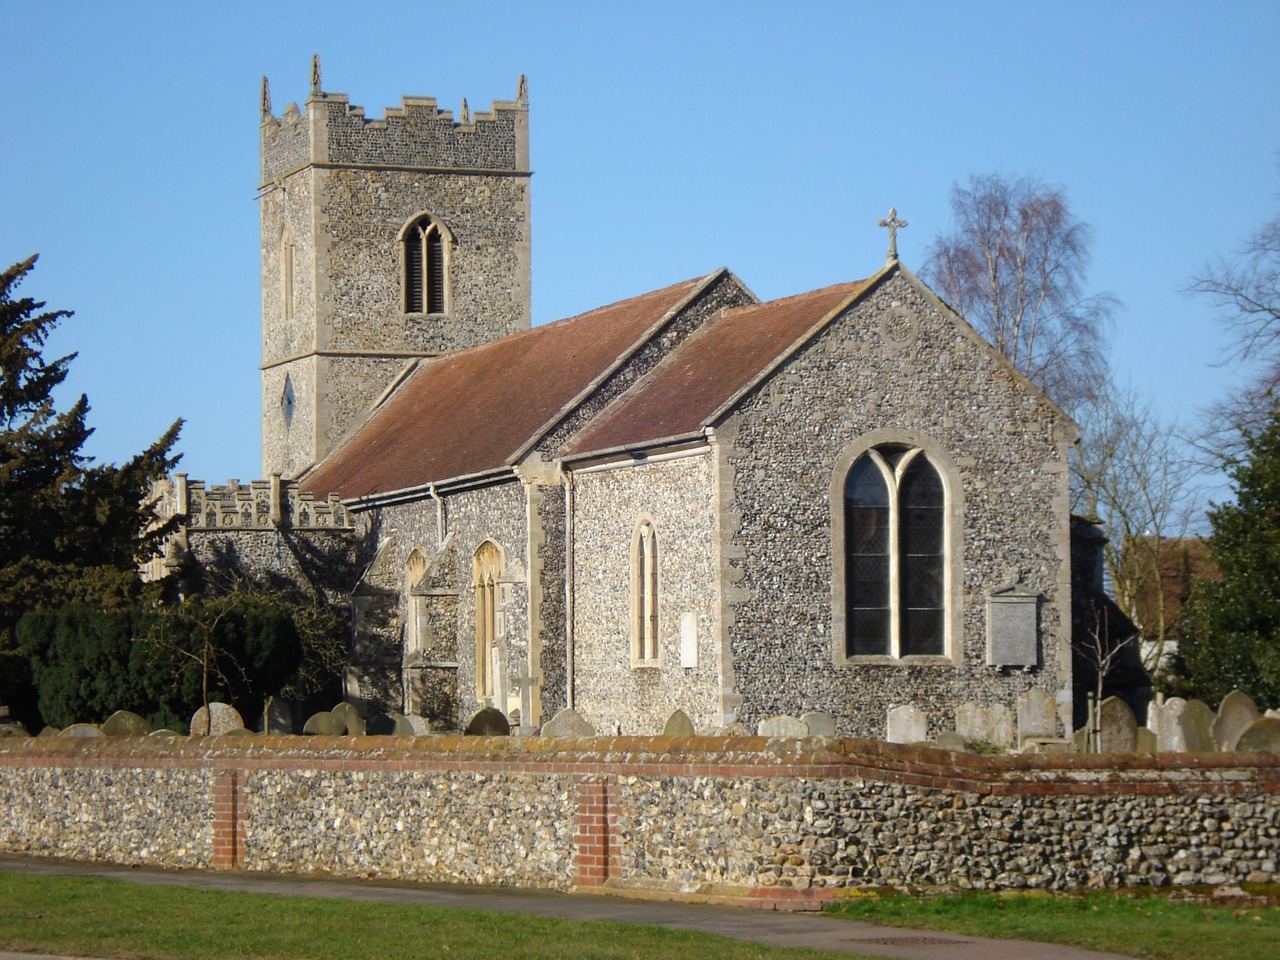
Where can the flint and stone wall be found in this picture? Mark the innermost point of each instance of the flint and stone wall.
(769, 822)
(895, 367)
(609, 689)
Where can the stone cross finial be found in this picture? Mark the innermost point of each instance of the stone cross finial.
(466, 111)
(315, 74)
(893, 223)
(266, 97)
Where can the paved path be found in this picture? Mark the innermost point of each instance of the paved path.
(758, 926)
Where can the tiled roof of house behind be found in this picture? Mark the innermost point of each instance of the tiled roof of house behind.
(707, 370)
(469, 412)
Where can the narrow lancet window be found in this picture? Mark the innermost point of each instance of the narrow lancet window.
(425, 283)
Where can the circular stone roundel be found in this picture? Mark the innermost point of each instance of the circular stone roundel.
(898, 327)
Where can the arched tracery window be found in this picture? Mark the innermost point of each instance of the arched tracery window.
(895, 555)
(425, 281)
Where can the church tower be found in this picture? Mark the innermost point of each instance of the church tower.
(383, 242)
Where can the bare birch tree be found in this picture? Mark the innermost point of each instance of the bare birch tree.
(1246, 293)
(1014, 266)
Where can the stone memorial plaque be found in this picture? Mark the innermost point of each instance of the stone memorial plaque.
(1013, 627)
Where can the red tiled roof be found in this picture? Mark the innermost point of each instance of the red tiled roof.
(702, 374)
(469, 412)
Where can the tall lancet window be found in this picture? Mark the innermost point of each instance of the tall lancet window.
(895, 555)
(486, 568)
(644, 594)
(425, 283)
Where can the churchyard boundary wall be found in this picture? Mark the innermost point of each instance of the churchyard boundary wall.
(771, 823)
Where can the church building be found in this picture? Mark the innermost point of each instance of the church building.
(842, 501)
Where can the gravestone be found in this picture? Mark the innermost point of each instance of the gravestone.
(526, 684)
(733, 729)
(324, 724)
(1118, 727)
(237, 732)
(791, 728)
(278, 717)
(949, 740)
(1163, 719)
(489, 722)
(820, 723)
(1263, 734)
(1273, 713)
(1147, 741)
(678, 725)
(979, 723)
(1037, 715)
(352, 722)
(420, 726)
(1235, 713)
(568, 723)
(389, 725)
(123, 723)
(1196, 722)
(907, 724)
(215, 721)
(1080, 740)
(164, 733)
(81, 730)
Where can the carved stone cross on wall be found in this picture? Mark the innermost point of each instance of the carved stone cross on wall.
(893, 223)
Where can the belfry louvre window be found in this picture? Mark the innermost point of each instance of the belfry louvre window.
(424, 270)
(895, 555)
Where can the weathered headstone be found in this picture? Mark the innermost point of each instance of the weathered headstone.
(783, 726)
(1080, 740)
(237, 732)
(527, 685)
(820, 723)
(1196, 721)
(979, 723)
(678, 725)
(163, 733)
(949, 740)
(732, 729)
(391, 724)
(12, 728)
(489, 722)
(1118, 727)
(123, 723)
(1235, 713)
(277, 717)
(215, 721)
(324, 724)
(1163, 719)
(352, 722)
(1273, 713)
(1147, 742)
(420, 726)
(907, 724)
(1263, 734)
(1037, 715)
(568, 723)
(81, 730)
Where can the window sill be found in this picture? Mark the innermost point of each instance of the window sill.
(916, 660)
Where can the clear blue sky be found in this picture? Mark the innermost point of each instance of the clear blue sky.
(667, 139)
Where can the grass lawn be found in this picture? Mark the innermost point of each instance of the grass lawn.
(1134, 923)
(113, 918)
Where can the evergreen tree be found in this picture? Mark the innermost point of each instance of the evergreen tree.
(1232, 640)
(69, 529)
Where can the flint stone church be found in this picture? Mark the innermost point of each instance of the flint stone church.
(842, 501)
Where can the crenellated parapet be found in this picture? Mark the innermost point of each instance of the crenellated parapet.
(329, 130)
(257, 505)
